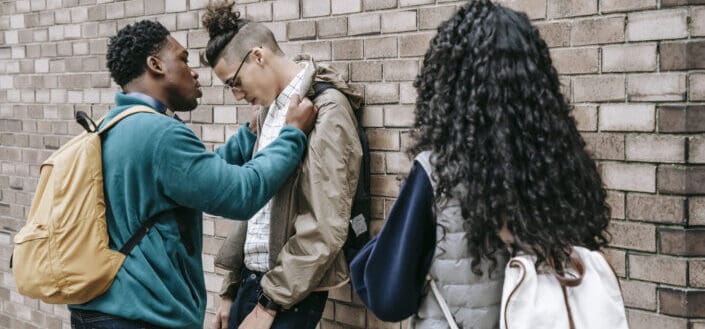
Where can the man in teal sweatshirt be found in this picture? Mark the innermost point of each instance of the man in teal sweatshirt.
(156, 167)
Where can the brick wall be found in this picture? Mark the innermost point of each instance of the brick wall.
(635, 70)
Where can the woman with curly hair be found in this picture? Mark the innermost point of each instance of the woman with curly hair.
(500, 170)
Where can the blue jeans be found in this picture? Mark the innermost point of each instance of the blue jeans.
(304, 315)
(81, 319)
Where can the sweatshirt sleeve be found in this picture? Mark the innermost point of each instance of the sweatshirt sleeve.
(389, 273)
(194, 178)
(238, 149)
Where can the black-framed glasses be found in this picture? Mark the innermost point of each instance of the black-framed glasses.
(230, 82)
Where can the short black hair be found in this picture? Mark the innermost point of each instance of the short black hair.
(129, 49)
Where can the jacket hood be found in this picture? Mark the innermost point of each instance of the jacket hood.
(326, 73)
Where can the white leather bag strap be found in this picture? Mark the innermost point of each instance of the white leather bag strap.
(441, 302)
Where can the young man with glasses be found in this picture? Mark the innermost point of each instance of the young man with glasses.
(283, 262)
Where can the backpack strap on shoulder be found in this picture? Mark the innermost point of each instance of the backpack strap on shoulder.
(125, 114)
(319, 87)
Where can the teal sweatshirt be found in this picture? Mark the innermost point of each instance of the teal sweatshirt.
(154, 165)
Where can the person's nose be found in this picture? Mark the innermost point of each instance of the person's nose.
(194, 74)
(239, 95)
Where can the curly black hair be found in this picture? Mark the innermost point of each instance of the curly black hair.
(504, 143)
(129, 49)
(222, 24)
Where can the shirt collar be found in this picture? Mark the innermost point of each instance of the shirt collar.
(290, 89)
(149, 100)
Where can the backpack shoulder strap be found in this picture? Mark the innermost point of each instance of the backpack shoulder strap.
(441, 303)
(125, 114)
(319, 87)
(137, 237)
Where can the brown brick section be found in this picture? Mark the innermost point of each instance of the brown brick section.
(634, 71)
(681, 302)
(682, 242)
(681, 119)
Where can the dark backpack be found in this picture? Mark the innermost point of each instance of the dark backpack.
(360, 214)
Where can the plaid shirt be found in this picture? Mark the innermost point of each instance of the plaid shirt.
(257, 240)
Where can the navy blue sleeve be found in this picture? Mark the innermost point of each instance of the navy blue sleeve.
(389, 273)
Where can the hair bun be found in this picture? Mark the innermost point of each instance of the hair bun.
(220, 18)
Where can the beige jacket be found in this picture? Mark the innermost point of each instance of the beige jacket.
(310, 214)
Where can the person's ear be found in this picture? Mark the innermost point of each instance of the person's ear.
(155, 65)
(258, 56)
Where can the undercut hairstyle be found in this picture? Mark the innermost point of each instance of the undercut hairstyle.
(231, 36)
(503, 140)
(129, 49)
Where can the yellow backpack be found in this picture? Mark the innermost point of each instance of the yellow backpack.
(61, 255)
